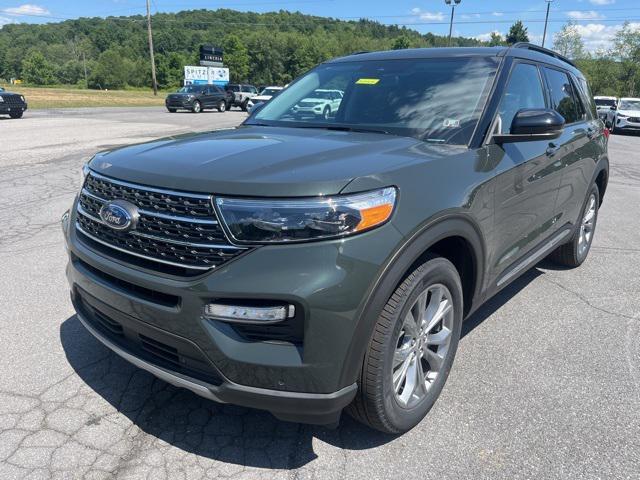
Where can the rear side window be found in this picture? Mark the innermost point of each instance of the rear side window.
(524, 90)
(587, 98)
(563, 97)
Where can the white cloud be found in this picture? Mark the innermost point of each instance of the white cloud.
(4, 21)
(597, 36)
(485, 37)
(27, 9)
(584, 15)
(497, 14)
(602, 2)
(428, 16)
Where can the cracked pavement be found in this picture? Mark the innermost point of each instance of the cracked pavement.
(546, 383)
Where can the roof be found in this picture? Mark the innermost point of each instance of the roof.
(519, 50)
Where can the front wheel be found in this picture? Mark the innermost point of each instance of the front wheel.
(574, 253)
(411, 350)
(326, 113)
(245, 105)
(16, 114)
(172, 110)
(197, 107)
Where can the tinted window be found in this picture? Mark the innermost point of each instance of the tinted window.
(629, 104)
(563, 97)
(605, 102)
(524, 90)
(587, 98)
(437, 100)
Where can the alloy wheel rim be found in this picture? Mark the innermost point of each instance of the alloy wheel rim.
(422, 345)
(196, 107)
(587, 226)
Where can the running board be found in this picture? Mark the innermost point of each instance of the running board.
(538, 255)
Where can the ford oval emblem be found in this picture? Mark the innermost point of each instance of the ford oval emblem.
(119, 215)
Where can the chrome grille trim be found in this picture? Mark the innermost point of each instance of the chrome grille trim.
(175, 228)
(201, 196)
(128, 252)
(156, 214)
(83, 212)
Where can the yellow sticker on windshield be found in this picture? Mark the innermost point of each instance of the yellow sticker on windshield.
(367, 81)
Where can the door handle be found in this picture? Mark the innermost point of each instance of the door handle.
(552, 149)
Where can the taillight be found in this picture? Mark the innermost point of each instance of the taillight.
(606, 133)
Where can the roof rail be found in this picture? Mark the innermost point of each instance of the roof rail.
(546, 51)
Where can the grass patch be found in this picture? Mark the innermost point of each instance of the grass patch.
(41, 97)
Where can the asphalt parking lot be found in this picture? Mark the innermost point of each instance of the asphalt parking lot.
(546, 383)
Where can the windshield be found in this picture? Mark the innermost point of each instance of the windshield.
(269, 91)
(437, 100)
(191, 89)
(605, 102)
(629, 105)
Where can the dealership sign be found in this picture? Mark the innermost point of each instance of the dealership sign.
(198, 75)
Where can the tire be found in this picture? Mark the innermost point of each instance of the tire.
(574, 253)
(245, 105)
(384, 401)
(172, 110)
(16, 115)
(326, 112)
(222, 106)
(197, 107)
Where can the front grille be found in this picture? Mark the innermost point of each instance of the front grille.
(174, 228)
(12, 100)
(634, 119)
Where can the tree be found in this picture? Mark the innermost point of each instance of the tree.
(113, 70)
(401, 43)
(627, 50)
(568, 42)
(236, 57)
(496, 39)
(517, 33)
(37, 70)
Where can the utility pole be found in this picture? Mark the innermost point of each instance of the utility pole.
(453, 4)
(84, 62)
(546, 19)
(153, 61)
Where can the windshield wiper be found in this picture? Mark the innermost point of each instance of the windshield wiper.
(344, 128)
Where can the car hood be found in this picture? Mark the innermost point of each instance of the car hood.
(313, 100)
(629, 113)
(261, 98)
(258, 161)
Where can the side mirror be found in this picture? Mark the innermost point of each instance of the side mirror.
(531, 124)
(612, 107)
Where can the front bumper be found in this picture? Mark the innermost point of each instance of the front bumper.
(179, 103)
(327, 281)
(5, 108)
(627, 124)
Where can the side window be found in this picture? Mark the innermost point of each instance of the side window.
(563, 96)
(587, 97)
(523, 90)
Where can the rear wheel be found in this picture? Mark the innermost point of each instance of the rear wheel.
(197, 107)
(172, 110)
(573, 253)
(16, 114)
(412, 349)
(222, 106)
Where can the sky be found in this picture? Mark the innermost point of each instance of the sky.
(597, 20)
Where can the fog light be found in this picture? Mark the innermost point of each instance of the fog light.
(237, 313)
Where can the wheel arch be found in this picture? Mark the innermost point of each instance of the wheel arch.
(452, 236)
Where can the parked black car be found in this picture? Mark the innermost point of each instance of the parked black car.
(12, 104)
(197, 98)
(305, 265)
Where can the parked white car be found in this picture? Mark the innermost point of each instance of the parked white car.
(321, 103)
(263, 97)
(604, 104)
(625, 115)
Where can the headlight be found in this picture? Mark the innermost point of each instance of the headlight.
(622, 116)
(1, 99)
(22, 98)
(84, 172)
(295, 220)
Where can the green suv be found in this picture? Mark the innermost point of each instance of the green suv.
(308, 265)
